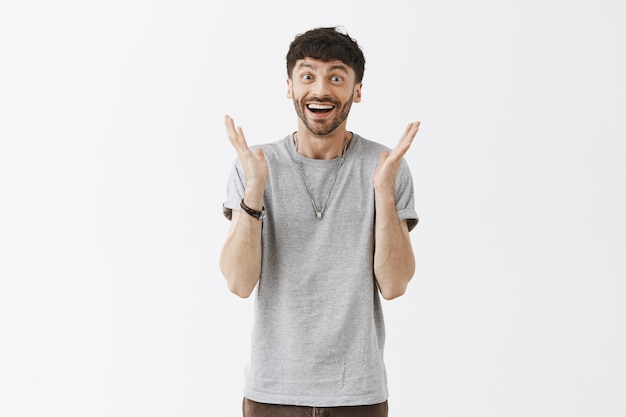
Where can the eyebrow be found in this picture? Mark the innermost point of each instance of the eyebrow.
(340, 67)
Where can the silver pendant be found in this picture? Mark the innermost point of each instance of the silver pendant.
(319, 214)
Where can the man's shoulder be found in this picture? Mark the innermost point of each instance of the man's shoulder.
(275, 146)
(367, 145)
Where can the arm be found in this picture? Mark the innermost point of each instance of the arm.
(394, 261)
(240, 260)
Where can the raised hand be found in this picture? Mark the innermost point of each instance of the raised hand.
(253, 163)
(389, 162)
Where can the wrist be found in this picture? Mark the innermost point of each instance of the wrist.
(257, 214)
(253, 198)
(385, 188)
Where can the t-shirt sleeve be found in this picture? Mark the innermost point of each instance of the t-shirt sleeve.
(234, 190)
(405, 196)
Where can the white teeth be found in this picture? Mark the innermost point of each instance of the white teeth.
(320, 106)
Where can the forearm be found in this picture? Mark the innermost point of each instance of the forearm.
(394, 261)
(240, 260)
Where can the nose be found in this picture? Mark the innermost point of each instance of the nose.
(320, 88)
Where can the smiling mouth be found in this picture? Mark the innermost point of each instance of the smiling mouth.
(320, 108)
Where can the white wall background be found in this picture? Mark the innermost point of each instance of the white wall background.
(113, 164)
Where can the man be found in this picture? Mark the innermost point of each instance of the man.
(320, 225)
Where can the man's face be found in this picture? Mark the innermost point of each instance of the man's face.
(322, 93)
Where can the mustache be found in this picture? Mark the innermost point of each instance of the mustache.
(321, 100)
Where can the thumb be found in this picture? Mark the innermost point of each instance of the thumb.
(383, 157)
(258, 153)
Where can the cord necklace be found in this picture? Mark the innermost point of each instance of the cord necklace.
(320, 211)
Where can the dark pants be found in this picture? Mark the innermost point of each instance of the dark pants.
(254, 409)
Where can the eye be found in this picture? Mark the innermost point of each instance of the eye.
(307, 77)
(336, 79)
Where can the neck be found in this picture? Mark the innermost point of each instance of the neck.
(322, 147)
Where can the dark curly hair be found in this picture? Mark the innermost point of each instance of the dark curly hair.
(327, 44)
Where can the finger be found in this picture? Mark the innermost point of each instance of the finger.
(411, 130)
(407, 138)
(231, 131)
(235, 135)
(403, 145)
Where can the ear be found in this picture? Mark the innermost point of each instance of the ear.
(289, 87)
(357, 93)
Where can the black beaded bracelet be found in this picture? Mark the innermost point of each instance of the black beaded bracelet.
(259, 215)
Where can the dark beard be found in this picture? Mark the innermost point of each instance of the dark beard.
(323, 130)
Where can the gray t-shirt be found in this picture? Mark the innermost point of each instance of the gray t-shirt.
(318, 331)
